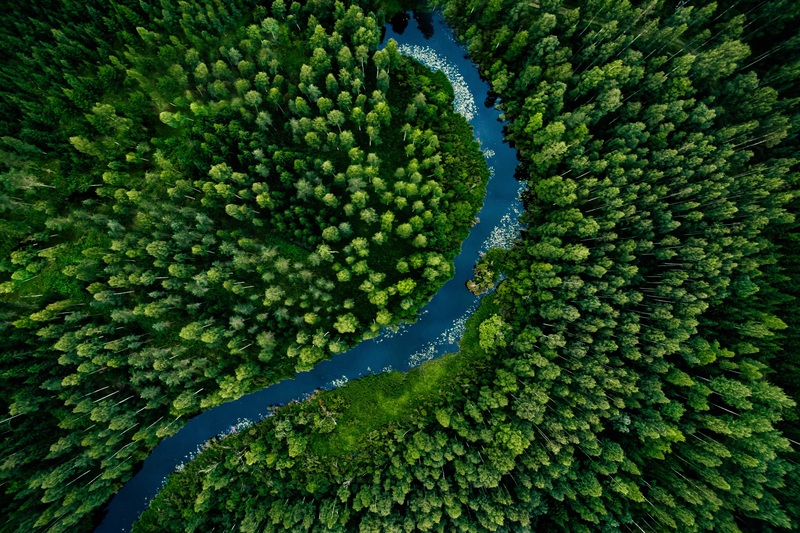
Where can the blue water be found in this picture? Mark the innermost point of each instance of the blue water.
(435, 333)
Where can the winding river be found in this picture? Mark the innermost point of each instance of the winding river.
(441, 321)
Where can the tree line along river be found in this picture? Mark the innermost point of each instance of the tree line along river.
(440, 323)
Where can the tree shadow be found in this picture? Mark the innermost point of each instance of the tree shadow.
(424, 23)
(399, 22)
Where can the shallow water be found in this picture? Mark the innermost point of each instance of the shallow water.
(441, 321)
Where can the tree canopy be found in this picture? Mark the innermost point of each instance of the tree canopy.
(198, 200)
(635, 370)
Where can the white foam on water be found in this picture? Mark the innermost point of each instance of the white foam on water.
(463, 101)
(448, 337)
(506, 233)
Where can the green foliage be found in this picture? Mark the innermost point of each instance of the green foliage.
(189, 211)
(629, 360)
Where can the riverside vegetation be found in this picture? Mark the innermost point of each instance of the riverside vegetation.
(198, 200)
(637, 368)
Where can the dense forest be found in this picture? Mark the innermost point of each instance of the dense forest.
(636, 370)
(198, 200)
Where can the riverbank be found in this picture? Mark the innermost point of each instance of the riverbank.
(388, 401)
(436, 332)
(331, 435)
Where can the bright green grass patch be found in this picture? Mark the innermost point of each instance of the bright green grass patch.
(392, 399)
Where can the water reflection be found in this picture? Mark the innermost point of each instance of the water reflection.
(399, 23)
(425, 23)
(440, 323)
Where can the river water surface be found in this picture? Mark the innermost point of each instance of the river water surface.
(441, 321)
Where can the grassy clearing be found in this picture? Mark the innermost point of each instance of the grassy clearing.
(393, 399)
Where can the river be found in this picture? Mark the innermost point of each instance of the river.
(440, 323)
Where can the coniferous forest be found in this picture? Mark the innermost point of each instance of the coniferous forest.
(199, 199)
(233, 195)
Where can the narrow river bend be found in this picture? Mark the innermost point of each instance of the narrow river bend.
(440, 323)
